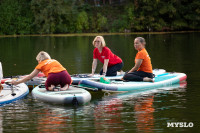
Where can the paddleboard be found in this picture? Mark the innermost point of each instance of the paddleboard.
(78, 77)
(72, 96)
(160, 80)
(40, 78)
(35, 81)
(9, 95)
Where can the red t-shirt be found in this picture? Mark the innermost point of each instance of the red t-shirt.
(106, 54)
(146, 63)
(50, 66)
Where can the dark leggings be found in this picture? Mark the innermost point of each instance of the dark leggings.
(61, 78)
(137, 76)
(112, 71)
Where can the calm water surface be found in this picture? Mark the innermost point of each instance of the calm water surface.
(133, 112)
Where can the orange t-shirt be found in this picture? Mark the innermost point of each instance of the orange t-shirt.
(146, 63)
(50, 66)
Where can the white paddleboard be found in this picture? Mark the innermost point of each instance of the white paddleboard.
(72, 96)
(9, 95)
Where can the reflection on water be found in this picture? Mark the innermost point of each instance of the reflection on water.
(126, 112)
(111, 111)
(123, 112)
(50, 121)
(144, 114)
(107, 115)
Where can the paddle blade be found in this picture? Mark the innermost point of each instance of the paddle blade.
(13, 94)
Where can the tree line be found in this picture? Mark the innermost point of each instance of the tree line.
(82, 16)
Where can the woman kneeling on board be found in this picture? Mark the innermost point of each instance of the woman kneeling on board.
(142, 71)
(56, 74)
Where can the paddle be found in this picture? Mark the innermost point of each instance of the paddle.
(11, 86)
(13, 94)
(80, 75)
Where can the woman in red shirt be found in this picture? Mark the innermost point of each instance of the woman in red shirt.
(142, 71)
(56, 74)
(111, 62)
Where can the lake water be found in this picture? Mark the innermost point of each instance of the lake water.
(136, 112)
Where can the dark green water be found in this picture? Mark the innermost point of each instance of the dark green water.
(137, 112)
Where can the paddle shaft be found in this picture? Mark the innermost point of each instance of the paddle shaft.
(11, 86)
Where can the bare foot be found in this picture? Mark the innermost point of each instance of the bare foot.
(65, 87)
(121, 72)
(146, 79)
(51, 88)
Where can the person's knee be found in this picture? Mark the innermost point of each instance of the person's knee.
(109, 73)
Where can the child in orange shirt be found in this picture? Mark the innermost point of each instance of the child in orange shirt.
(56, 74)
(142, 71)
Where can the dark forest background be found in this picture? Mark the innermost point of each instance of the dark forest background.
(92, 16)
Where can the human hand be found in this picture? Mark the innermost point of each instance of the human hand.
(14, 82)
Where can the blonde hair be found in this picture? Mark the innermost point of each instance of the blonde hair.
(42, 56)
(103, 44)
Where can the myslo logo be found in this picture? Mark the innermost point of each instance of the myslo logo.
(179, 124)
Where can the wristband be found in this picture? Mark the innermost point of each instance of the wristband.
(103, 73)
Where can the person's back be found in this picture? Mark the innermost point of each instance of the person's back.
(146, 65)
(56, 74)
(50, 66)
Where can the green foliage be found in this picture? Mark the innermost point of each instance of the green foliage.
(75, 16)
(160, 25)
(120, 24)
(49, 13)
(179, 24)
(98, 22)
(82, 22)
(15, 17)
(101, 22)
(130, 16)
